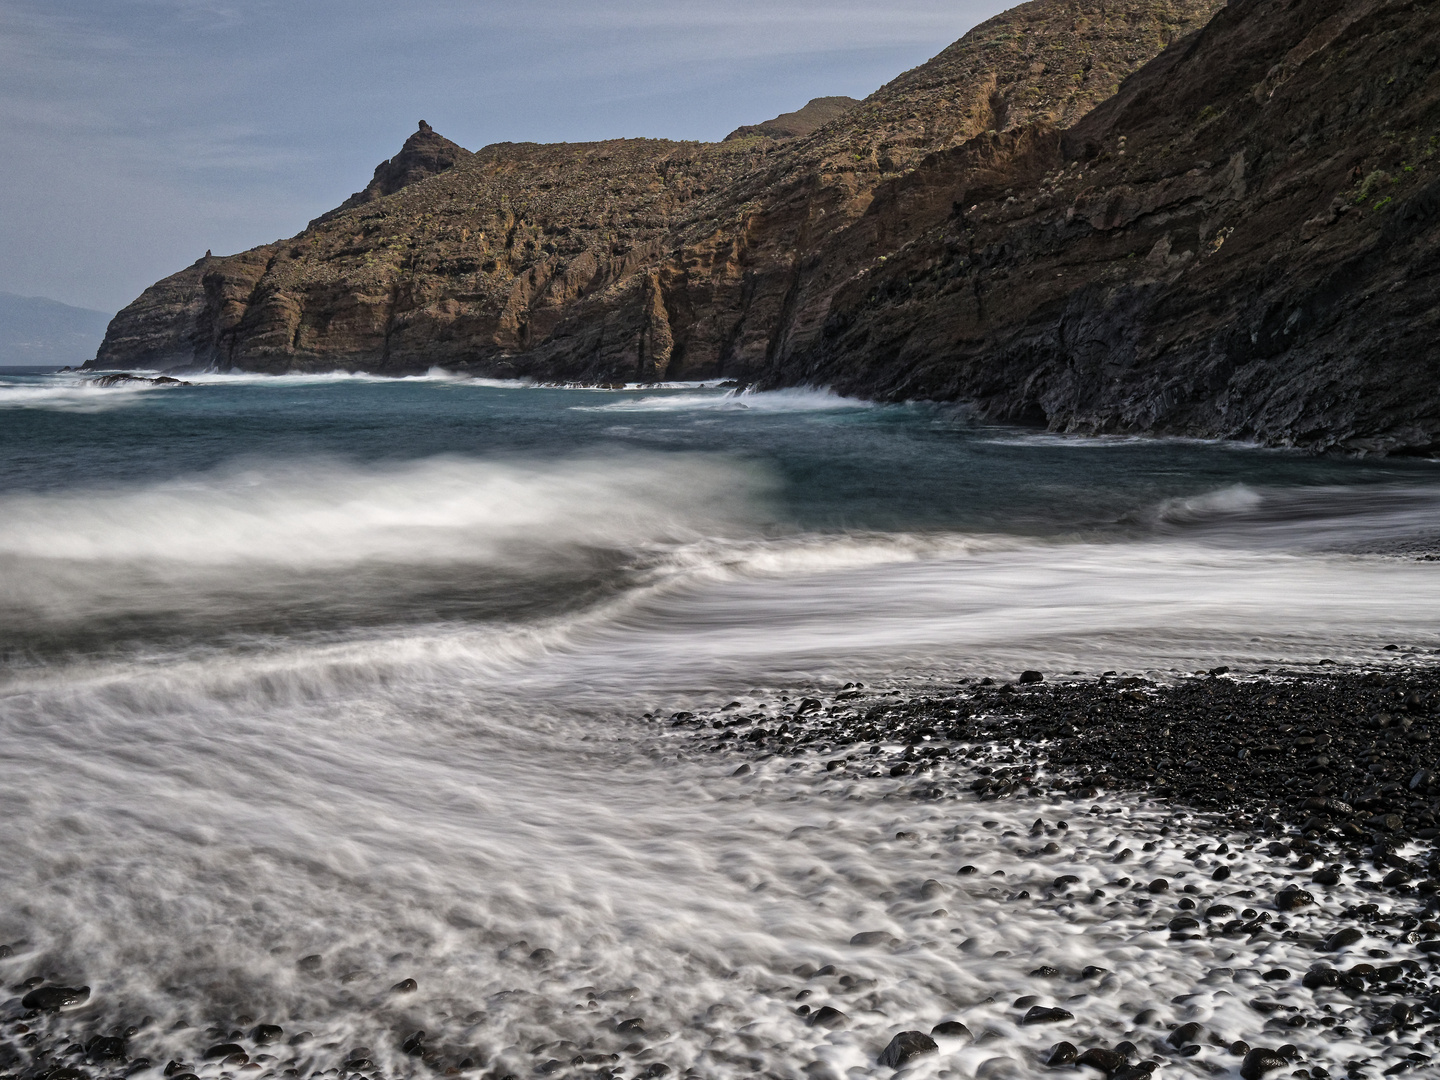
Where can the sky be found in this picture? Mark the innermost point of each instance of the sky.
(139, 133)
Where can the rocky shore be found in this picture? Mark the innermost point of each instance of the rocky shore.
(1346, 757)
(1273, 814)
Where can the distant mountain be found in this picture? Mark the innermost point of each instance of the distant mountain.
(792, 125)
(36, 331)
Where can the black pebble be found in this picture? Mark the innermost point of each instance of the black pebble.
(264, 1034)
(951, 1029)
(54, 998)
(907, 1046)
(1259, 1061)
(1039, 1014)
(1184, 1035)
(1107, 1061)
(1292, 897)
(1342, 938)
(1062, 1053)
(105, 1048)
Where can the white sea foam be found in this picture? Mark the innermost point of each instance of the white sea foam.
(181, 821)
(328, 378)
(768, 401)
(69, 393)
(196, 846)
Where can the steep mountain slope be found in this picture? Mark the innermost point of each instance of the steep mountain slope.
(638, 258)
(1242, 243)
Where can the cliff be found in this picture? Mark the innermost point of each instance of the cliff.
(629, 259)
(1242, 243)
(1104, 217)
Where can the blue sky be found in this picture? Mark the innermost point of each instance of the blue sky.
(138, 133)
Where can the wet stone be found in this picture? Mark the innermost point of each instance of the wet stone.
(54, 998)
(1342, 939)
(907, 1046)
(1292, 898)
(1259, 1061)
(105, 1048)
(1185, 1035)
(951, 1029)
(1040, 1014)
(1062, 1053)
(1107, 1061)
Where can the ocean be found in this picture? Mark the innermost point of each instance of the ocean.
(313, 685)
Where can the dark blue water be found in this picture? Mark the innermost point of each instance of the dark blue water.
(832, 464)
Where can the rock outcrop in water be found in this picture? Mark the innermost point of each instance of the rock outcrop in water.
(629, 259)
(1239, 242)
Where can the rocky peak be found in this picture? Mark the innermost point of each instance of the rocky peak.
(816, 114)
(425, 154)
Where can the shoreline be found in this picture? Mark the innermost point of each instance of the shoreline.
(1344, 899)
(1348, 755)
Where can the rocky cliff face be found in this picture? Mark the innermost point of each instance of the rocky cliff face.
(633, 259)
(1242, 243)
(1097, 217)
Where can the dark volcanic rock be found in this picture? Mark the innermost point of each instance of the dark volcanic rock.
(52, 998)
(1062, 1053)
(951, 1029)
(1040, 1014)
(126, 379)
(1342, 939)
(1183, 259)
(1260, 1061)
(907, 1046)
(1107, 1061)
(1292, 898)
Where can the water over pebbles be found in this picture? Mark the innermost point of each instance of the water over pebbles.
(791, 920)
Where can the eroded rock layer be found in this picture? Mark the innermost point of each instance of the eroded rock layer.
(625, 259)
(1242, 243)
